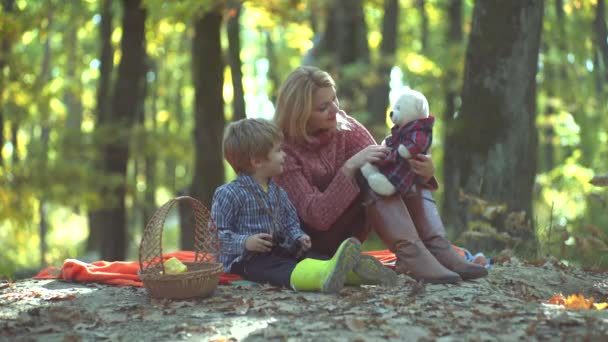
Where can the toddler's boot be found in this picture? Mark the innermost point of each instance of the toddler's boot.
(370, 271)
(327, 276)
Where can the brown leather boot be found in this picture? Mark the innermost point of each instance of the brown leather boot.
(430, 228)
(391, 220)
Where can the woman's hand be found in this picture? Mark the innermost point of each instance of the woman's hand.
(423, 166)
(370, 154)
(259, 243)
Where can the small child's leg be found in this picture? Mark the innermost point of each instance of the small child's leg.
(327, 276)
(268, 268)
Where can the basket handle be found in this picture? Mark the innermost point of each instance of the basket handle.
(150, 247)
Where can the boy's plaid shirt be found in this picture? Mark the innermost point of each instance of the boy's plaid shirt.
(238, 215)
(417, 137)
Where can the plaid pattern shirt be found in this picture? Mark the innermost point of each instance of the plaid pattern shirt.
(238, 215)
(417, 137)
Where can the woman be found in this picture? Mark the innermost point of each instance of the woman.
(325, 149)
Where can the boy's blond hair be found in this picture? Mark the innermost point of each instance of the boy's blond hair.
(294, 101)
(249, 138)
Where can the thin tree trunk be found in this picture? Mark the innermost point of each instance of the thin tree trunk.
(562, 44)
(209, 119)
(601, 34)
(150, 158)
(44, 108)
(124, 108)
(96, 218)
(170, 162)
(454, 41)
(424, 25)
(343, 45)
(138, 161)
(14, 142)
(5, 52)
(588, 123)
(378, 98)
(72, 94)
(272, 75)
(495, 131)
(547, 129)
(233, 29)
(208, 77)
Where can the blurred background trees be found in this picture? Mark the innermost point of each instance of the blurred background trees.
(110, 108)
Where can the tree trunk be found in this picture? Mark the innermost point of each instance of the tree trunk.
(96, 218)
(601, 32)
(124, 108)
(150, 157)
(378, 98)
(138, 161)
(272, 74)
(344, 46)
(170, 161)
(45, 131)
(495, 133)
(454, 41)
(547, 130)
(5, 51)
(14, 142)
(589, 134)
(72, 94)
(233, 29)
(424, 25)
(208, 77)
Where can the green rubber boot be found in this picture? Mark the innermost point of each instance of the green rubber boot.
(370, 271)
(327, 276)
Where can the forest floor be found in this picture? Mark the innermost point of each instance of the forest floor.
(510, 304)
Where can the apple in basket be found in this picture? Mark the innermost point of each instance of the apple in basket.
(174, 266)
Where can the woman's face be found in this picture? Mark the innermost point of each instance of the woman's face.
(325, 106)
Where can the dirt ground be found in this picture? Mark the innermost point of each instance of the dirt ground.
(510, 304)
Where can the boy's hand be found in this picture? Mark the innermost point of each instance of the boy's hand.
(259, 243)
(305, 242)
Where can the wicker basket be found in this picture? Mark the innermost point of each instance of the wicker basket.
(202, 277)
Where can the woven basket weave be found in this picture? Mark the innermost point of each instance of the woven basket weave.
(203, 274)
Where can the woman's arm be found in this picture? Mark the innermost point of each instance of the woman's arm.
(317, 209)
(358, 138)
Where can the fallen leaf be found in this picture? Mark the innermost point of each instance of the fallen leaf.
(557, 299)
(58, 297)
(72, 338)
(355, 324)
(576, 302)
(44, 329)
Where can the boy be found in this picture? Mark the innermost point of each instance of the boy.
(260, 234)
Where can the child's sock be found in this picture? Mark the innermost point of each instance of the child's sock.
(327, 276)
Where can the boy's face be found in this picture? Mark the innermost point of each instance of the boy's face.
(272, 165)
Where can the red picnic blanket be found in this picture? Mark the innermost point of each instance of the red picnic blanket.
(120, 273)
(124, 273)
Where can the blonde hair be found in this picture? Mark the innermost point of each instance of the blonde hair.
(249, 138)
(294, 101)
